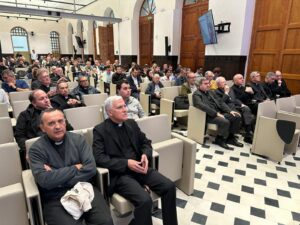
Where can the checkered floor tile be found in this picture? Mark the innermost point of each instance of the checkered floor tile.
(238, 188)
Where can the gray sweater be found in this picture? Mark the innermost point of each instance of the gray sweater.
(64, 175)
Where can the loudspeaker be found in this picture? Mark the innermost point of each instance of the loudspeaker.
(167, 46)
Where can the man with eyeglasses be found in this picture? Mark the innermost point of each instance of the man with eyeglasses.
(43, 82)
(84, 88)
(189, 86)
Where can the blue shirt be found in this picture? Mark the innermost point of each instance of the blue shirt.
(19, 84)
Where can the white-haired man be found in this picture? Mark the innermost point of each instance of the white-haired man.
(120, 146)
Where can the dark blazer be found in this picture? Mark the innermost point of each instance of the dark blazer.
(204, 102)
(282, 91)
(60, 102)
(132, 84)
(151, 88)
(107, 148)
(268, 90)
(239, 95)
(220, 94)
(259, 92)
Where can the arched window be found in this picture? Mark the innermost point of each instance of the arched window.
(18, 31)
(148, 8)
(111, 14)
(55, 46)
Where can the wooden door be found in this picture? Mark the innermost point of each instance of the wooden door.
(110, 40)
(106, 43)
(146, 39)
(192, 50)
(275, 40)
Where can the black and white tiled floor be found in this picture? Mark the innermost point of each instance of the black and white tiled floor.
(238, 188)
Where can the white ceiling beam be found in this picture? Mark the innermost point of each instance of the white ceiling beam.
(56, 14)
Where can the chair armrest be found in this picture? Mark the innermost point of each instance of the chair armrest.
(186, 183)
(145, 102)
(103, 181)
(167, 107)
(33, 198)
(282, 115)
(196, 124)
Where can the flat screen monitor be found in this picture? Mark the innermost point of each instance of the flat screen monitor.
(79, 42)
(207, 28)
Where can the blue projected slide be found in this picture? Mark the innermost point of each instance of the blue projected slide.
(20, 43)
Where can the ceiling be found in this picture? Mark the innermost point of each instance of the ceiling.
(50, 10)
(69, 6)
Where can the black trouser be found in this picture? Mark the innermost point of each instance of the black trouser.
(130, 187)
(99, 214)
(228, 125)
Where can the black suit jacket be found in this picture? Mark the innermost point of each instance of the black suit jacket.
(132, 84)
(282, 90)
(107, 148)
(239, 95)
(60, 102)
(203, 102)
(259, 92)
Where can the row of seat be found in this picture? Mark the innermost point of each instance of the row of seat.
(176, 160)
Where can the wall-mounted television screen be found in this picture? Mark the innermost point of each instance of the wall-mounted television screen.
(79, 42)
(207, 28)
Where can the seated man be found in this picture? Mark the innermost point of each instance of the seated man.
(118, 75)
(84, 88)
(43, 82)
(189, 86)
(153, 89)
(134, 108)
(212, 83)
(120, 146)
(27, 126)
(10, 83)
(134, 81)
(217, 112)
(58, 75)
(241, 94)
(259, 93)
(280, 88)
(268, 85)
(59, 160)
(63, 100)
(248, 119)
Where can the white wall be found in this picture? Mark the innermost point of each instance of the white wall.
(41, 39)
(240, 14)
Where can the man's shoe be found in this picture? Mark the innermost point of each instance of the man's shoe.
(222, 144)
(248, 140)
(233, 141)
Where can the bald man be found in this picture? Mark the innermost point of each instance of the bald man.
(280, 88)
